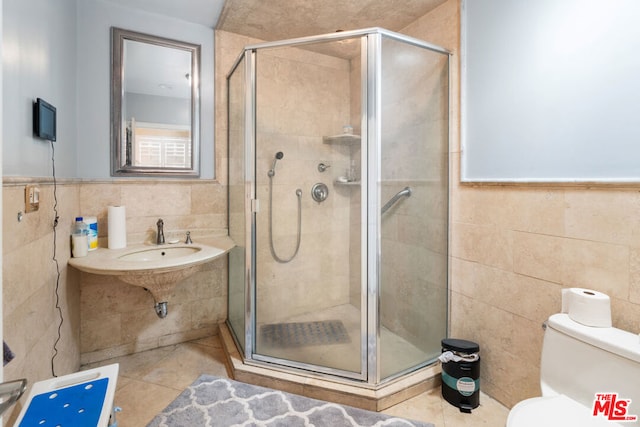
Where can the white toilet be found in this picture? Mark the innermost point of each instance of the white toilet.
(577, 363)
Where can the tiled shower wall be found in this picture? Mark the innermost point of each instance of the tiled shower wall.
(302, 96)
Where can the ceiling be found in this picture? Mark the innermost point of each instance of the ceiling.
(203, 12)
(283, 19)
(157, 70)
(271, 20)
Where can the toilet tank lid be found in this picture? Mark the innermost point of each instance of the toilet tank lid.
(617, 341)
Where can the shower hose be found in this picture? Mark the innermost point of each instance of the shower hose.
(271, 247)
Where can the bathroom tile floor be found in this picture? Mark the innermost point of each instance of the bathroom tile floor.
(150, 380)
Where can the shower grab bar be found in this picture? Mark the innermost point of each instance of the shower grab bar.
(405, 192)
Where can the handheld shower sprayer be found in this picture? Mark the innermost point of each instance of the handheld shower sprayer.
(279, 156)
(272, 172)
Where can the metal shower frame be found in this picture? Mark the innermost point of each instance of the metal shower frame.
(371, 49)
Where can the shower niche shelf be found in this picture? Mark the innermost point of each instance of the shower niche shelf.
(343, 139)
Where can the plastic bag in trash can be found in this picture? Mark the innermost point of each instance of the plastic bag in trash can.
(448, 356)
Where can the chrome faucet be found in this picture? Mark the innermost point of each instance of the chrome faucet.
(188, 241)
(160, 234)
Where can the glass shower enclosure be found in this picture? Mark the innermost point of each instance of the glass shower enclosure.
(338, 204)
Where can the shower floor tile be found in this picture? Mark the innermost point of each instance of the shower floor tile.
(397, 353)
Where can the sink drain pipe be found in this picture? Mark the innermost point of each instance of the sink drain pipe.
(161, 309)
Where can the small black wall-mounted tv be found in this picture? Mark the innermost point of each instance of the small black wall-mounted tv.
(44, 120)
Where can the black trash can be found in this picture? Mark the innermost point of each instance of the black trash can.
(461, 373)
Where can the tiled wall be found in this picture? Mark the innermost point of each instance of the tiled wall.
(513, 248)
(103, 317)
(117, 318)
(29, 283)
(302, 95)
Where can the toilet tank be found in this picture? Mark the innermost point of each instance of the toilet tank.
(580, 361)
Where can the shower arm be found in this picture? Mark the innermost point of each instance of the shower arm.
(405, 192)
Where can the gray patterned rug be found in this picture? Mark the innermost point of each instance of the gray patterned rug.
(221, 402)
(300, 334)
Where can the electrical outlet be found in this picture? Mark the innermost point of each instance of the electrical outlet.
(31, 198)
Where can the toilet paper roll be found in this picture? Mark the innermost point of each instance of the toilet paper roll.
(117, 227)
(588, 307)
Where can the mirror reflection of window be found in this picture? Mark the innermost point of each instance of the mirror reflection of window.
(161, 145)
(157, 91)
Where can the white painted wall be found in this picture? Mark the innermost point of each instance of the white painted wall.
(59, 50)
(39, 60)
(157, 109)
(94, 20)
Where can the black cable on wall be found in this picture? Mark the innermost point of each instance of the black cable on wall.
(55, 259)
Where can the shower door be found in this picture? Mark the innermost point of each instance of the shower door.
(308, 295)
(413, 185)
(237, 202)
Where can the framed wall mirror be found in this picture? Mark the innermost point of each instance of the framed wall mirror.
(155, 106)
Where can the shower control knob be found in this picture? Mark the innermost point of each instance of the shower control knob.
(323, 167)
(319, 192)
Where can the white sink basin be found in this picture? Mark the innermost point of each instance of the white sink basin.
(156, 268)
(145, 259)
(159, 254)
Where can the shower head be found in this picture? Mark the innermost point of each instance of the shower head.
(272, 171)
(279, 156)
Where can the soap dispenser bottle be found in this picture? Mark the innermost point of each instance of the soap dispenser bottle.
(80, 238)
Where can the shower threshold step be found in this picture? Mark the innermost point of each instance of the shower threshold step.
(379, 399)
